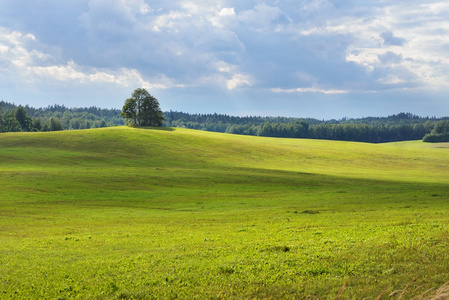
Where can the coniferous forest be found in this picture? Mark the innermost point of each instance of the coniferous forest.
(399, 127)
(15, 118)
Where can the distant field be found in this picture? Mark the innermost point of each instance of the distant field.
(125, 213)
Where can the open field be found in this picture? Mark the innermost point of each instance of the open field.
(125, 213)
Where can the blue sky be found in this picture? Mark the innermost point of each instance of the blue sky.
(307, 58)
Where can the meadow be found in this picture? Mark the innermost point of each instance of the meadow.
(129, 213)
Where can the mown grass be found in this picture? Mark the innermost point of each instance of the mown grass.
(126, 213)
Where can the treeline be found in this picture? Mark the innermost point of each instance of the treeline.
(400, 127)
(55, 117)
(344, 132)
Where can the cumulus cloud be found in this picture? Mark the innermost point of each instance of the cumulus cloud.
(226, 17)
(388, 46)
(238, 80)
(21, 59)
(306, 47)
(123, 77)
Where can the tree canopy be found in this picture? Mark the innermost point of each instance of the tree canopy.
(22, 118)
(142, 109)
(440, 133)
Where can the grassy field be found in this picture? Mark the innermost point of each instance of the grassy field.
(126, 213)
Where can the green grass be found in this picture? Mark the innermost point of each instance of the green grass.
(126, 213)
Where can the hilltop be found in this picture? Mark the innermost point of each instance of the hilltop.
(176, 147)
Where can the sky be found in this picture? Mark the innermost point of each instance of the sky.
(324, 59)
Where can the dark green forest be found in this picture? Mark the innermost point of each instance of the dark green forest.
(15, 118)
(399, 127)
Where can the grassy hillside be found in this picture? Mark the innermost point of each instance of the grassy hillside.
(125, 213)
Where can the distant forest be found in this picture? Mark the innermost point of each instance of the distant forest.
(55, 117)
(400, 127)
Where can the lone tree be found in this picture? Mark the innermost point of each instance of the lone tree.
(142, 109)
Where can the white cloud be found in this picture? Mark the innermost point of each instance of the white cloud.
(386, 43)
(309, 90)
(22, 61)
(120, 77)
(315, 6)
(200, 7)
(226, 17)
(171, 21)
(392, 79)
(227, 12)
(60, 73)
(17, 51)
(264, 18)
(237, 81)
(228, 76)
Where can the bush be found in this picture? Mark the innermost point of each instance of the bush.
(436, 137)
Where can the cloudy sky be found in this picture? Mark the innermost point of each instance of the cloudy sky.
(303, 58)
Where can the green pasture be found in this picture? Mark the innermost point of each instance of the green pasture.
(127, 213)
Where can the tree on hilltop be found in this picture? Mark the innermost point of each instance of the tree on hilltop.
(142, 109)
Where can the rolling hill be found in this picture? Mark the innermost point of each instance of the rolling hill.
(128, 213)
